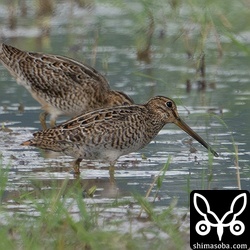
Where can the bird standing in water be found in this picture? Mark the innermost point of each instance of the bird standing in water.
(108, 133)
(61, 85)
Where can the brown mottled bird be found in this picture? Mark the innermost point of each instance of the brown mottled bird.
(61, 85)
(108, 133)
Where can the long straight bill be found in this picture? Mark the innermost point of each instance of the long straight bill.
(181, 124)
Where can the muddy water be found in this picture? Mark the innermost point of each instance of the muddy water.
(219, 112)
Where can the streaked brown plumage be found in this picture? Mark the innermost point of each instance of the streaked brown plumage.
(61, 85)
(108, 133)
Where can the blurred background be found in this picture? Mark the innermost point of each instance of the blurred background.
(195, 52)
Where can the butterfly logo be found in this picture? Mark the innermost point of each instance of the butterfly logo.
(203, 227)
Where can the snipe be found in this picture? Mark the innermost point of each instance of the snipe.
(108, 133)
(61, 85)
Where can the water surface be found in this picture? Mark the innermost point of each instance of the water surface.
(105, 37)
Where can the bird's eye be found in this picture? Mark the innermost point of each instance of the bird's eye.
(169, 104)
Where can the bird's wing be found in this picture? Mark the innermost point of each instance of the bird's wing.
(102, 122)
(47, 73)
(55, 74)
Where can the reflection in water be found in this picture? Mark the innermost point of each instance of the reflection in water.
(38, 188)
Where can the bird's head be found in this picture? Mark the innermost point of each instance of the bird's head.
(166, 109)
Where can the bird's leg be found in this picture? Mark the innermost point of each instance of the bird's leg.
(76, 166)
(42, 119)
(112, 173)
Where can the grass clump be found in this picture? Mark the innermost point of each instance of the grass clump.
(64, 219)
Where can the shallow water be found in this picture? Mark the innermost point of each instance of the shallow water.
(219, 113)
